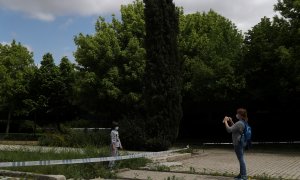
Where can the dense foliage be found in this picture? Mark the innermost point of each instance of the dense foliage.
(113, 79)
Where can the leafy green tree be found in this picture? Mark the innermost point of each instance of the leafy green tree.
(289, 51)
(16, 65)
(111, 64)
(50, 91)
(271, 68)
(290, 10)
(211, 47)
(67, 75)
(162, 73)
(98, 56)
(272, 57)
(133, 54)
(261, 61)
(31, 103)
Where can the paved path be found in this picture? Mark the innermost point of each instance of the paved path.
(154, 175)
(216, 161)
(220, 161)
(286, 166)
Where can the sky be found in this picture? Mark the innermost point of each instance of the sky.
(50, 25)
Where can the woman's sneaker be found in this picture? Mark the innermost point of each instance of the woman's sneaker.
(238, 177)
(244, 178)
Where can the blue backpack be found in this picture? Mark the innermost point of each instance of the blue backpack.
(246, 136)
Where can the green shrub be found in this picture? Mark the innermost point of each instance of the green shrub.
(28, 126)
(20, 136)
(79, 123)
(76, 138)
(51, 139)
(157, 144)
(133, 163)
(132, 133)
(98, 138)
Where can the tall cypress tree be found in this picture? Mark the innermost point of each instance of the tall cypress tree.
(162, 74)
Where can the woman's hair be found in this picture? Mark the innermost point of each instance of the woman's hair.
(114, 125)
(243, 113)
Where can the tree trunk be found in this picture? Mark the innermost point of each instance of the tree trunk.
(8, 122)
(34, 124)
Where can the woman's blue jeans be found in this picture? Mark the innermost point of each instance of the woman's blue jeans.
(239, 151)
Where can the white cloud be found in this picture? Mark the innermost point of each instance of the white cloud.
(29, 48)
(67, 23)
(244, 13)
(4, 43)
(42, 16)
(47, 10)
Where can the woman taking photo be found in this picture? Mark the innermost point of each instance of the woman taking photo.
(237, 130)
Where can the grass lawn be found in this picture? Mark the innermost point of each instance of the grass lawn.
(76, 171)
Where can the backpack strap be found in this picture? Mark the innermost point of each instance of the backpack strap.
(244, 122)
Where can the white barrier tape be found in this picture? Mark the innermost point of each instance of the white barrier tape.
(91, 129)
(292, 142)
(86, 160)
